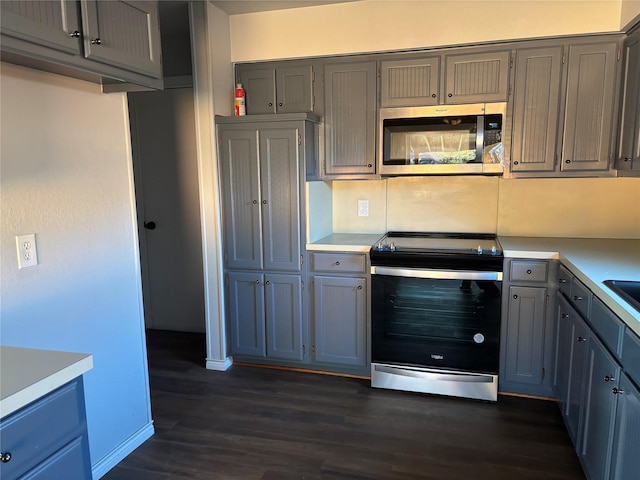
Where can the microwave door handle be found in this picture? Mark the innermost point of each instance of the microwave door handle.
(480, 140)
(436, 274)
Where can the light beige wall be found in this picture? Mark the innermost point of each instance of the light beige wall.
(630, 13)
(377, 25)
(571, 207)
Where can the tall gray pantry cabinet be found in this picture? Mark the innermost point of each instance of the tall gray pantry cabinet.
(262, 167)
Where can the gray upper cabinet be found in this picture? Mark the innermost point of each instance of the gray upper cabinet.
(123, 33)
(260, 173)
(350, 118)
(277, 89)
(51, 24)
(410, 82)
(89, 39)
(592, 73)
(476, 77)
(536, 102)
(628, 160)
(564, 108)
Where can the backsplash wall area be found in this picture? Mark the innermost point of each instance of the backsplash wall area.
(557, 207)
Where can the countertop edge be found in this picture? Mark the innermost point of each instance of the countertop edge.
(42, 387)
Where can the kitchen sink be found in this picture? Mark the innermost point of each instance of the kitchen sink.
(627, 289)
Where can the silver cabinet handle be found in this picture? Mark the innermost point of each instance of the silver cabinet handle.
(75, 34)
(96, 41)
(617, 391)
(581, 339)
(576, 298)
(5, 457)
(607, 378)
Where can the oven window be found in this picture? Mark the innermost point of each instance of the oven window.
(444, 323)
(430, 141)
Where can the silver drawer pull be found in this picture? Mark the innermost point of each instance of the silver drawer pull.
(608, 378)
(617, 391)
(5, 457)
(576, 298)
(529, 272)
(581, 339)
(337, 263)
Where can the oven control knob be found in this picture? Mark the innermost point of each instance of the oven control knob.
(480, 249)
(494, 249)
(478, 338)
(392, 247)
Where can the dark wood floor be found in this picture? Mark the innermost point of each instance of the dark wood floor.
(256, 423)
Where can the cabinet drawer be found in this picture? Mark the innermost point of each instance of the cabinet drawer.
(528, 271)
(38, 430)
(607, 325)
(564, 280)
(580, 297)
(338, 263)
(631, 355)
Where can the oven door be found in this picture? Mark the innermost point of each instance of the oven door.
(445, 319)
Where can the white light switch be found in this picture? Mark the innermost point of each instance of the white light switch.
(363, 208)
(27, 254)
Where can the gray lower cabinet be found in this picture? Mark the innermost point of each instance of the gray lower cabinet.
(602, 376)
(265, 315)
(596, 361)
(573, 335)
(528, 328)
(628, 159)
(48, 438)
(350, 100)
(339, 311)
(277, 88)
(625, 461)
(117, 39)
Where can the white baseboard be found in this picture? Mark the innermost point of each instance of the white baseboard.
(106, 463)
(219, 365)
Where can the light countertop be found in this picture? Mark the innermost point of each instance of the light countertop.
(592, 260)
(345, 242)
(27, 374)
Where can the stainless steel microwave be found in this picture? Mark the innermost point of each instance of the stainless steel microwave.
(446, 139)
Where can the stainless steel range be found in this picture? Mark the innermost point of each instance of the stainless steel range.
(436, 301)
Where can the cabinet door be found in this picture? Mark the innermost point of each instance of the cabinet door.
(294, 89)
(524, 349)
(536, 101)
(602, 375)
(339, 315)
(246, 313)
(629, 154)
(625, 461)
(476, 77)
(240, 175)
(350, 118)
(280, 187)
(260, 89)
(283, 300)
(123, 33)
(413, 82)
(589, 108)
(571, 354)
(48, 23)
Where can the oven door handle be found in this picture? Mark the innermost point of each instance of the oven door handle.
(440, 375)
(436, 274)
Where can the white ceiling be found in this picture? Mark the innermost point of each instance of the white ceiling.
(235, 7)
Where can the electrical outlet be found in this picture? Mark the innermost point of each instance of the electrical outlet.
(27, 253)
(363, 208)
